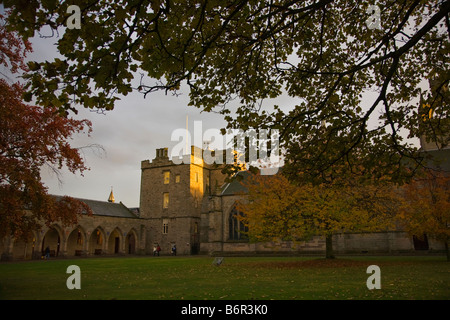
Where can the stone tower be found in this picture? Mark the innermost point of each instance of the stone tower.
(171, 199)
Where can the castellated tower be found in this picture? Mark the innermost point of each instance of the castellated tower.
(172, 197)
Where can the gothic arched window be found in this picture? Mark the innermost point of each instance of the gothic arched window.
(237, 230)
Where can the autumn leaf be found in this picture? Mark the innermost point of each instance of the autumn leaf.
(32, 137)
(426, 207)
(277, 209)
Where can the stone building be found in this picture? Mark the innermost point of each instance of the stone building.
(172, 200)
(189, 205)
(112, 229)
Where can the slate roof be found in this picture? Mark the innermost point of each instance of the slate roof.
(109, 209)
(235, 186)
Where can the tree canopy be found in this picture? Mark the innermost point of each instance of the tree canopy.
(426, 209)
(32, 137)
(276, 209)
(324, 53)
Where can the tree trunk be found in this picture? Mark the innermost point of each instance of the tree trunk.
(329, 254)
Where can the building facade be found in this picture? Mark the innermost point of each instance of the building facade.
(111, 229)
(191, 206)
(172, 200)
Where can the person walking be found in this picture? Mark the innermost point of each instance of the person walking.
(47, 253)
(158, 249)
(174, 250)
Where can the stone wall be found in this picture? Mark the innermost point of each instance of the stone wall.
(379, 242)
(178, 221)
(92, 235)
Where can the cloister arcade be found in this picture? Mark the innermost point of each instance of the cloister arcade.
(72, 242)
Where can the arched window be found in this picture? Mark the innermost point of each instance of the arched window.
(237, 230)
(79, 238)
(99, 239)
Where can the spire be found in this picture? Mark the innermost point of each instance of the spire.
(111, 196)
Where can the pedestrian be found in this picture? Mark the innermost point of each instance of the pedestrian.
(154, 250)
(47, 252)
(174, 250)
(158, 249)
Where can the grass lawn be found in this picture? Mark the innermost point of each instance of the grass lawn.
(239, 278)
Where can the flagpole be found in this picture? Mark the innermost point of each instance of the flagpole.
(187, 135)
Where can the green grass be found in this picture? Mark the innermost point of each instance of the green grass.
(237, 278)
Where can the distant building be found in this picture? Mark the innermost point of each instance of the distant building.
(190, 205)
(112, 229)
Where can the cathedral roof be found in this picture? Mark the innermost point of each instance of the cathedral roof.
(236, 186)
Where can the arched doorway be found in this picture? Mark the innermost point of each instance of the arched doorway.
(97, 242)
(114, 242)
(76, 242)
(52, 240)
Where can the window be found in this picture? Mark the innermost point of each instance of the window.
(196, 199)
(207, 186)
(79, 238)
(237, 229)
(177, 178)
(165, 226)
(166, 177)
(165, 200)
(196, 227)
(99, 237)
